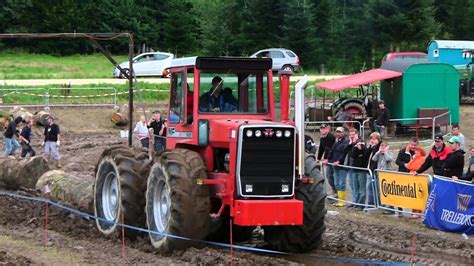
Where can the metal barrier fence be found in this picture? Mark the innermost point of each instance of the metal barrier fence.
(372, 200)
(51, 96)
(365, 198)
(435, 122)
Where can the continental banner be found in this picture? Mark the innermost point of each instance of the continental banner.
(403, 190)
(450, 206)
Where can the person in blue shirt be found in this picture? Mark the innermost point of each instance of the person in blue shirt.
(218, 99)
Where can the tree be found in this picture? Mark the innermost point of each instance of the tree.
(299, 32)
(179, 27)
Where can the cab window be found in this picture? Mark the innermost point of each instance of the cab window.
(177, 99)
(233, 93)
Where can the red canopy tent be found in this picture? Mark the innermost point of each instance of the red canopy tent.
(358, 79)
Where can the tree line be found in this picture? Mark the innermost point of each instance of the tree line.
(339, 35)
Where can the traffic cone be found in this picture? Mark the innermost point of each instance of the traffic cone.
(342, 196)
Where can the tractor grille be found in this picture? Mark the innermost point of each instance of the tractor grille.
(266, 164)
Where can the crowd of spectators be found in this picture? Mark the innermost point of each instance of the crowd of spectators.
(347, 156)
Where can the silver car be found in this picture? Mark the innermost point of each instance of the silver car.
(147, 64)
(282, 58)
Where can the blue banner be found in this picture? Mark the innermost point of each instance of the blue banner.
(450, 206)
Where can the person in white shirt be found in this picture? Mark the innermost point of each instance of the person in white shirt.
(142, 132)
(455, 132)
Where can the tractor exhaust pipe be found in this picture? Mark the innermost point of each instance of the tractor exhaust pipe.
(299, 121)
(284, 78)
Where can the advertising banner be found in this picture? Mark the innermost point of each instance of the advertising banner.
(403, 190)
(450, 206)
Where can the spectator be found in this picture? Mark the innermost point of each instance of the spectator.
(360, 160)
(10, 135)
(455, 132)
(418, 160)
(436, 157)
(336, 157)
(51, 142)
(309, 145)
(143, 133)
(158, 125)
(374, 146)
(353, 137)
(382, 116)
(342, 115)
(25, 137)
(383, 157)
(407, 154)
(454, 164)
(410, 159)
(468, 176)
(326, 141)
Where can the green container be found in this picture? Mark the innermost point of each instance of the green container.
(422, 86)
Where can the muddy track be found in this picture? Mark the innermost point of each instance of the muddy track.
(349, 234)
(378, 237)
(25, 220)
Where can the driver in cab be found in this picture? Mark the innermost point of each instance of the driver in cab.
(218, 99)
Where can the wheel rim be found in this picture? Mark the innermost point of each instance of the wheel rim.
(110, 197)
(161, 206)
(288, 68)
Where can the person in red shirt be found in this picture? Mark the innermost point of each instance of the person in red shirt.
(436, 157)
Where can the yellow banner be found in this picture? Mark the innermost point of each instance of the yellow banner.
(403, 190)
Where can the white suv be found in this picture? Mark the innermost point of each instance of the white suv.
(282, 58)
(147, 64)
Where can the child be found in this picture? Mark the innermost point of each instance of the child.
(383, 157)
(418, 159)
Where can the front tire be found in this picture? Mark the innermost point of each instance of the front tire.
(288, 67)
(127, 71)
(175, 203)
(119, 189)
(306, 237)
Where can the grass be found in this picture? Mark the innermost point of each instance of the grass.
(39, 66)
(36, 94)
(21, 65)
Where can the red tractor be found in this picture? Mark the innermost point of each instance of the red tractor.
(226, 159)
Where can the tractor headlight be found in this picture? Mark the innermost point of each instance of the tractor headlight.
(287, 133)
(279, 133)
(249, 133)
(258, 133)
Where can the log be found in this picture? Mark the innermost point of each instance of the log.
(5, 117)
(69, 189)
(120, 118)
(40, 118)
(20, 111)
(16, 173)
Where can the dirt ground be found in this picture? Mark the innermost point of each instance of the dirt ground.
(75, 240)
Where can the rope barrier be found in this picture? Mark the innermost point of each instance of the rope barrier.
(217, 244)
(80, 96)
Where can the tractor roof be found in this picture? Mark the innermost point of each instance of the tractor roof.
(224, 63)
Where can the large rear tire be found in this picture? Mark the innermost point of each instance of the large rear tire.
(119, 189)
(175, 204)
(304, 238)
(355, 107)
